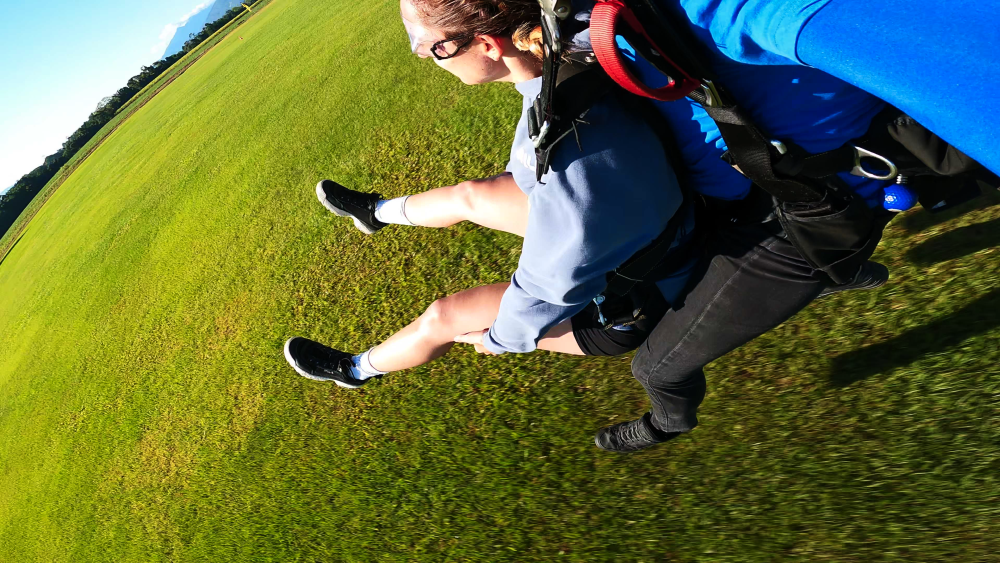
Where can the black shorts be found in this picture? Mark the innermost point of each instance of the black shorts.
(595, 340)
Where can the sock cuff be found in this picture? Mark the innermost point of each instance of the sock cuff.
(364, 363)
(393, 211)
(402, 209)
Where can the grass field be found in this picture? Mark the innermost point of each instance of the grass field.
(141, 98)
(146, 412)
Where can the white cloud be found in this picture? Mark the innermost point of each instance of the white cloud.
(168, 30)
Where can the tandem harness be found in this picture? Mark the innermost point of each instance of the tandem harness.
(834, 231)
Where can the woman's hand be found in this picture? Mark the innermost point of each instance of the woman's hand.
(476, 339)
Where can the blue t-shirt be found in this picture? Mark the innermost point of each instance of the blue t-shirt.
(935, 60)
(789, 102)
(594, 209)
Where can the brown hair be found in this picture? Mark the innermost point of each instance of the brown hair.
(518, 19)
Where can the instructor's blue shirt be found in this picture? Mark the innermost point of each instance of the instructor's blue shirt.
(788, 101)
(934, 59)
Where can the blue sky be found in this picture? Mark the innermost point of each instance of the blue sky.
(58, 58)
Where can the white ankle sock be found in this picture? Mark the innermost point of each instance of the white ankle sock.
(363, 368)
(392, 211)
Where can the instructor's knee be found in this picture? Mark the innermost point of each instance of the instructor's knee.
(641, 367)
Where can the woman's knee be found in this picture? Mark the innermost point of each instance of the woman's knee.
(469, 197)
(438, 318)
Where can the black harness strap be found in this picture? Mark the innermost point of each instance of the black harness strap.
(754, 156)
(816, 166)
(579, 85)
(652, 263)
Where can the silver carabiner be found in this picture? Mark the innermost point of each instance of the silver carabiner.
(600, 314)
(859, 170)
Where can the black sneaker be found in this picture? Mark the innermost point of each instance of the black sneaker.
(870, 276)
(631, 436)
(321, 363)
(349, 203)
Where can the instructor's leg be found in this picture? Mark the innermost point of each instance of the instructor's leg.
(753, 282)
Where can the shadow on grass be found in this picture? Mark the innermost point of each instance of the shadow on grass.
(11, 249)
(955, 244)
(974, 319)
(919, 220)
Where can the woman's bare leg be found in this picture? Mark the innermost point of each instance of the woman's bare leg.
(496, 203)
(433, 333)
(560, 339)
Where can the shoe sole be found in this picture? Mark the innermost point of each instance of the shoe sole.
(307, 375)
(340, 212)
(882, 277)
(597, 442)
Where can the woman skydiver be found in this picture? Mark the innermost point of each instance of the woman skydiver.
(593, 210)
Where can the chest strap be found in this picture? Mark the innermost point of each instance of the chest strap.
(579, 85)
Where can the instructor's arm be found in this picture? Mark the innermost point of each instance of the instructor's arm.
(935, 60)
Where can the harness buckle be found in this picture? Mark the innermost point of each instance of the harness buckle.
(712, 97)
(600, 314)
(558, 8)
(543, 132)
(859, 170)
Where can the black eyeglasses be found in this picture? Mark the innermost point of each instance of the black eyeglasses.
(441, 51)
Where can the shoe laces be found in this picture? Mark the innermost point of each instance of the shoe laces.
(344, 364)
(631, 432)
(362, 200)
(335, 359)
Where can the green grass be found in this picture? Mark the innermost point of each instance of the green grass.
(146, 413)
(193, 55)
(12, 235)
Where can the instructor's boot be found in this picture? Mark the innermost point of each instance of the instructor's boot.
(870, 276)
(349, 203)
(631, 436)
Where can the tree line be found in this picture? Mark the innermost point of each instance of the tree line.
(20, 195)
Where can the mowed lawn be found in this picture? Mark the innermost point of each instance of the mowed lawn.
(147, 414)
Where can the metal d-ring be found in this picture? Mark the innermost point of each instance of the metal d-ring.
(859, 170)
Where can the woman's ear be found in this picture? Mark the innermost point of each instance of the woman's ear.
(494, 46)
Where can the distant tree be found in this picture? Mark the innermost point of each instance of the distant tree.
(211, 27)
(104, 101)
(24, 191)
(20, 195)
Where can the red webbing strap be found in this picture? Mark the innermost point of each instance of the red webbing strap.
(603, 21)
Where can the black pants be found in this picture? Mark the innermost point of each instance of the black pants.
(750, 281)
